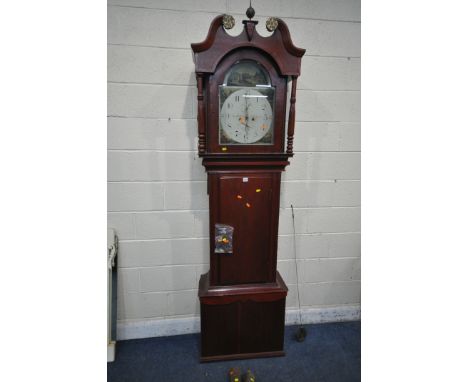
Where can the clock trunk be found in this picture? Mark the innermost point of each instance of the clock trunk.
(248, 202)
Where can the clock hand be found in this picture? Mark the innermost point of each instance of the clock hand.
(246, 108)
(246, 112)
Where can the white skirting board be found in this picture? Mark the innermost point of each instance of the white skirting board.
(127, 330)
(323, 315)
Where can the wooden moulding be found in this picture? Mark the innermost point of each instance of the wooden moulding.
(219, 43)
(245, 162)
(225, 294)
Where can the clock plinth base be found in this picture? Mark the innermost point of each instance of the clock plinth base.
(229, 357)
(242, 321)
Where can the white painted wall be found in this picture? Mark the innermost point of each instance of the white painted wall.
(157, 198)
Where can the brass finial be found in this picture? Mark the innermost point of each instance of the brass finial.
(250, 11)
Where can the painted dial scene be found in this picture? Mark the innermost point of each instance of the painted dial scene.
(246, 115)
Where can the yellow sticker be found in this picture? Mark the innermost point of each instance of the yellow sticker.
(224, 148)
(258, 190)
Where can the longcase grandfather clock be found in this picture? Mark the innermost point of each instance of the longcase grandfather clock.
(242, 86)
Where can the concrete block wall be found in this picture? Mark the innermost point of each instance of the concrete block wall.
(157, 199)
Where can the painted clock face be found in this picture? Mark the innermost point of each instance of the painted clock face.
(246, 115)
(246, 105)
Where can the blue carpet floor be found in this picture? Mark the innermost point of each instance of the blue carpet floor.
(330, 353)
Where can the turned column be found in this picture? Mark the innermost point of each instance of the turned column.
(292, 116)
(201, 115)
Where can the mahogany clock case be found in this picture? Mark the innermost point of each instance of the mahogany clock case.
(242, 297)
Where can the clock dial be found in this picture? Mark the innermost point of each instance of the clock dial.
(246, 116)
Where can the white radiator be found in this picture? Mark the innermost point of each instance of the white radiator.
(112, 247)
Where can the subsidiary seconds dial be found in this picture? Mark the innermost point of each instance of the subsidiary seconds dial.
(246, 116)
